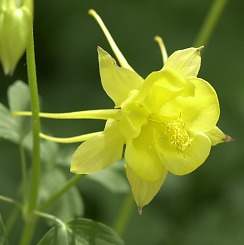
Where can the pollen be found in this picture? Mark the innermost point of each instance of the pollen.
(172, 130)
(177, 135)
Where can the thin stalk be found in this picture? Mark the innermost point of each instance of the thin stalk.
(210, 22)
(11, 201)
(124, 215)
(50, 217)
(24, 175)
(65, 188)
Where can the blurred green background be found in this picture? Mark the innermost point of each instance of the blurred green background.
(205, 207)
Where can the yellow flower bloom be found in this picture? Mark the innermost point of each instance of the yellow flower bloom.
(166, 121)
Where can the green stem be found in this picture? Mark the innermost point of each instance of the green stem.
(10, 200)
(210, 22)
(24, 175)
(65, 188)
(31, 69)
(124, 215)
(50, 217)
(28, 231)
(30, 220)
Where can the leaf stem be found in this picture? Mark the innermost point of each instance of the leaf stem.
(50, 217)
(210, 22)
(124, 215)
(65, 188)
(10, 200)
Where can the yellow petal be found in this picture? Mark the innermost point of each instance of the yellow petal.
(116, 81)
(181, 163)
(133, 117)
(216, 136)
(200, 112)
(186, 62)
(99, 152)
(160, 87)
(143, 190)
(141, 156)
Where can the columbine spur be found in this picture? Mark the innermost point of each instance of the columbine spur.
(167, 121)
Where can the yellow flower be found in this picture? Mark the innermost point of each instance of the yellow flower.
(167, 121)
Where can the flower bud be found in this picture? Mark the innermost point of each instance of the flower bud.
(15, 29)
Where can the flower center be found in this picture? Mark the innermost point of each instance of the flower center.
(176, 134)
(173, 131)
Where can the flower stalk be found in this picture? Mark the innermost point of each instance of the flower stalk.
(29, 225)
(210, 22)
(31, 70)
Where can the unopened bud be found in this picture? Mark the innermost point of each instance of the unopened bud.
(15, 29)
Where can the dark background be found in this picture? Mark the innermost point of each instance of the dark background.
(205, 207)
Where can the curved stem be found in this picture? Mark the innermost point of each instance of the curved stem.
(50, 217)
(210, 22)
(124, 215)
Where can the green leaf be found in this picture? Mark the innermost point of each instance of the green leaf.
(18, 96)
(19, 100)
(81, 232)
(49, 152)
(112, 178)
(8, 125)
(3, 236)
(13, 128)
